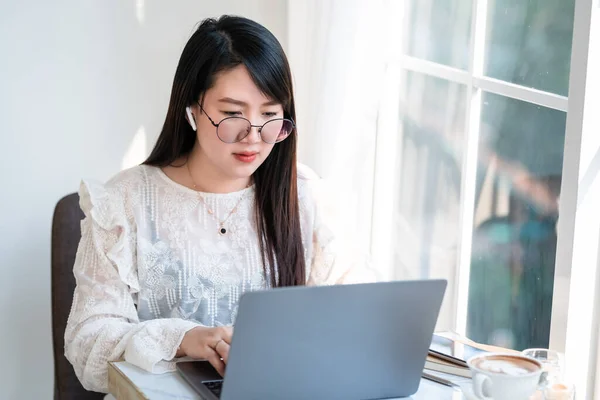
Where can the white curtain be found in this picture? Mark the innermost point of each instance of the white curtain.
(337, 50)
(351, 96)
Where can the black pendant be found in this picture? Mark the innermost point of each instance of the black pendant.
(222, 231)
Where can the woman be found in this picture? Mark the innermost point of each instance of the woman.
(216, 210)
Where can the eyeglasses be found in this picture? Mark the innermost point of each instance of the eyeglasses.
(235, 129)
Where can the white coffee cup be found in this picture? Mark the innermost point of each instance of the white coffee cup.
(505, 376)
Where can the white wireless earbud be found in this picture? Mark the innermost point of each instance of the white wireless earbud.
(190, 118)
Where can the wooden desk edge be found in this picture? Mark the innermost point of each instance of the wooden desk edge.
(120, 386)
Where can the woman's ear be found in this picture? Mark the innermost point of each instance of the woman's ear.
(190, 118)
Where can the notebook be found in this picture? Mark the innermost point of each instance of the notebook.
(450, 356)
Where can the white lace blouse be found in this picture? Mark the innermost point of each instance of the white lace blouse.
(152, 265)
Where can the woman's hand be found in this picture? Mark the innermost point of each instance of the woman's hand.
(210, 344)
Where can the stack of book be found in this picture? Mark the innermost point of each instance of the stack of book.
(450, 355)
(434, 363)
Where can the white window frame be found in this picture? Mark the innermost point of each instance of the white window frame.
(572, 331)
(576, 306)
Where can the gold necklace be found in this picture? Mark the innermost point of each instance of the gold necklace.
(222, 230)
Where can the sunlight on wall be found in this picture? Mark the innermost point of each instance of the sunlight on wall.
(140, 11)
(136, 153)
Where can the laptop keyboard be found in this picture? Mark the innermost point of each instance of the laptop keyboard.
(215, 387)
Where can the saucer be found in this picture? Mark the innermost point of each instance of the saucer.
(469, 395)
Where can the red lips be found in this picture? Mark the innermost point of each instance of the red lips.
(246, 156)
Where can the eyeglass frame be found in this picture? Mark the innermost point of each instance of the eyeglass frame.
(260, 127)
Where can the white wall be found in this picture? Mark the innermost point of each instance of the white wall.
(78, 79)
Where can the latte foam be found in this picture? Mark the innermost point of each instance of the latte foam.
(507, 365)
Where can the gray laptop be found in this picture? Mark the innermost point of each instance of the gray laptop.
(363, 341)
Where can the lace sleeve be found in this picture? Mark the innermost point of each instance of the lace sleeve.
(336, 258)
(103, 324)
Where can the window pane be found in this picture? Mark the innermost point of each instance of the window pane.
(427, 197)
(529, 43)
(439, 31)
(514, 234)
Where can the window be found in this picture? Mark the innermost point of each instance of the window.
(478, 155)
(464, 161)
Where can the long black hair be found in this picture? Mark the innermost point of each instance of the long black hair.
(218, 45)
